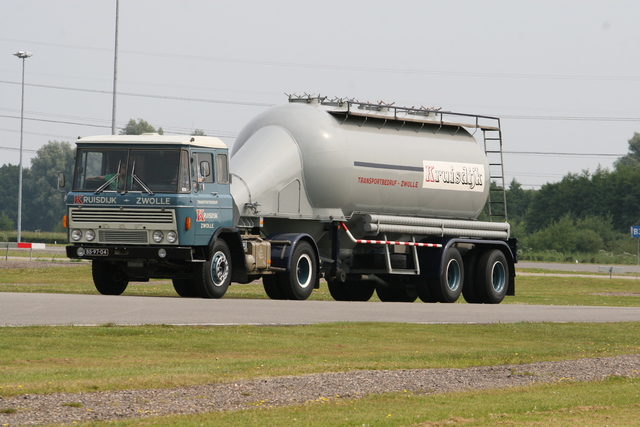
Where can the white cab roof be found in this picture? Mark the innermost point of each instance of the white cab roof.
(155, 139)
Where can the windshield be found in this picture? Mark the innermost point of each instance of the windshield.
(149, 171)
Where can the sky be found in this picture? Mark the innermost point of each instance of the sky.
(563, 76)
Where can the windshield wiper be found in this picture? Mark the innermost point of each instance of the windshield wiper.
(106, 184)
(135, 177)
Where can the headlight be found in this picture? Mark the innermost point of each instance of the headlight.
(158, 236)
(172, 237)
(76, 234)
(90, 235)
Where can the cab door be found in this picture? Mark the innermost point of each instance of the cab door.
(210, 190)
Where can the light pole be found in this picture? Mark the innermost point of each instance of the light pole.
(22, 55)
(115, 74)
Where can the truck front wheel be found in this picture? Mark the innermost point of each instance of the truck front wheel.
(212, 278)
(107, 278)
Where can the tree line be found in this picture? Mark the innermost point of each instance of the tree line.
(583, 212)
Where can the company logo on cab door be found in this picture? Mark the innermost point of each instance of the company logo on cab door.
(453, 176)
(201, 215)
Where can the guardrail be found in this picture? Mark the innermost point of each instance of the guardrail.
(21, 245)
(610, 270)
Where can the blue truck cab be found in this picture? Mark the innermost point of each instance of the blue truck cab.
(153, 206)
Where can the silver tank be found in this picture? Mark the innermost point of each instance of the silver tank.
(311, 159)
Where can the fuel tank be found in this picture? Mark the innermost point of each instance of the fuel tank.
(324, 160)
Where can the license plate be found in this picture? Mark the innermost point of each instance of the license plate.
(96, 252)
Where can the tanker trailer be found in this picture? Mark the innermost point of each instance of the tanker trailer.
(375, 198)
(371, 197)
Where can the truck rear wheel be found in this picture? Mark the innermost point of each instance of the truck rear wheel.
(212, 278)
(299, 281)
(271, 286)
(184, 288)
(492, 277)
(108, 279)
(448, 286)
(360, 290)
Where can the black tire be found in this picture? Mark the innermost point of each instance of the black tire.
(299, 281)
(492, 277)
(396, 293)
(212, 278)
(108, 279)
(469, 288)
(357, 290)
(423, 289)
(184, 288)
(448, 287)
(271, 286)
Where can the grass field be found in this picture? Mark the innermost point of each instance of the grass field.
(52, 359)
(108, 357)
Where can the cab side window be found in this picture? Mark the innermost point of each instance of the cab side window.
(202, 166)
(222, 167)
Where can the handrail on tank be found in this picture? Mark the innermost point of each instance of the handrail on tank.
(388, 111)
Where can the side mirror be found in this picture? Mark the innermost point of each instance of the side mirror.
(205, 169)
(61, 181)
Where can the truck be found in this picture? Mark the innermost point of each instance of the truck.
(370, 197)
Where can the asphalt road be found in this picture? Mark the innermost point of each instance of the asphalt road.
(20, 309)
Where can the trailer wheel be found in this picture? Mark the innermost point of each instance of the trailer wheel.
(397, 293)
(470, 287)
(184, 288)
(299, 281)
(358, 290)
(423, 288)
(448, 286)
(271, 286)
(107, 279)
(492, 277)
(213, 277)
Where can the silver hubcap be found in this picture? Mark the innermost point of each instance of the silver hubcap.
(219, 268)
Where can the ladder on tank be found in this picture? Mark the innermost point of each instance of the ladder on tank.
(497, 202)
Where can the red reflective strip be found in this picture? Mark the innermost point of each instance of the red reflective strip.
(24, 245)
(386, 242)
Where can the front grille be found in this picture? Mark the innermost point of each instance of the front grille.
(152, 216)
(123, 236)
